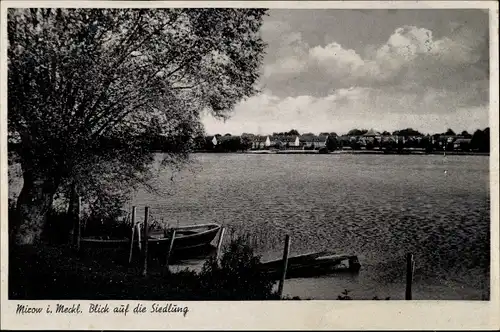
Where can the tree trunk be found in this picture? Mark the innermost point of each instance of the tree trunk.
(73, 213)
(33, 203)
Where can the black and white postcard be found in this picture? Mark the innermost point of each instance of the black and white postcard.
(256, 165)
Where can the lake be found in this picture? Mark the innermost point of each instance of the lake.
(375, 206)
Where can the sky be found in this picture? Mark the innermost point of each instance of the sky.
(332, 70)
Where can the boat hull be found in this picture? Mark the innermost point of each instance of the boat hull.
(187, 238)
(183, 241)
(312, 265)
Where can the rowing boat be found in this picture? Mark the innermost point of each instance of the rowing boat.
(313, 264)
(186, 237)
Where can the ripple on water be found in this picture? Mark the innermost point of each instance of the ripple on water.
(378, 207)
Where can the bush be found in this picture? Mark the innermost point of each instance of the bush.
(237, 277)
(55, 272)
(113, 225)
(323, 150)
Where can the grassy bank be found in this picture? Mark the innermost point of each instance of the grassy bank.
(48, 272)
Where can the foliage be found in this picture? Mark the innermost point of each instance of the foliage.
(465, 134)
(237, 276)
(481, 140)
(449, 132)
(357, 132)
(89, 89)
(104, 274)
(292, 132)
(355, 145)
(332, 143)
(246, 142)
(323, 150)
(229, 144)
(407, 132)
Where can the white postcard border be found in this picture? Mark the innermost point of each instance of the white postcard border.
(346, 315)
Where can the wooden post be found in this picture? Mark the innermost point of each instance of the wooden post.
(285, 265)
(133, 235)
(219, 242)
(78, 222)
(145, 240)
(171, 246)
(139, 239)
(409, 275)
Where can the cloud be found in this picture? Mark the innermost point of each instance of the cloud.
(324, 72)
(354, 107)
(411, 55)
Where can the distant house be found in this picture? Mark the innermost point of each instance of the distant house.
(267, 142)
(259, 142)
(272, 141)
(372, 134)
(462, 144)
(285, 141)
(447, 138)
(316, 141)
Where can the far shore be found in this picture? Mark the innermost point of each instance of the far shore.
(378, 152)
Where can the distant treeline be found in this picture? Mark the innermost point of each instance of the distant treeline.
(224, 143)
(479, 141)
(354, 139)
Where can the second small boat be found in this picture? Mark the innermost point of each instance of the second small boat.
(314, 264)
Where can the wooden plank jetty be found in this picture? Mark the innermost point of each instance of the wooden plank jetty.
(313, 264)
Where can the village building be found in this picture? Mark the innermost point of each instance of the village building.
(462, 144)
(313, 141)
(259, 142)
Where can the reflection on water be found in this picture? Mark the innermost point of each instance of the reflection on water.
(376, 206)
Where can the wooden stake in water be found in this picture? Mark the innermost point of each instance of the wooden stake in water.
(409, 275)
(219, 242)
(133, 235)
(170, 247)
(286, 250)
(145, 240)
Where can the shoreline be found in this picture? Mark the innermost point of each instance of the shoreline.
(377, 152)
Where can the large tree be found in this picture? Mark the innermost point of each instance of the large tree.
(89, 88)
(408, 132)
(356, 132)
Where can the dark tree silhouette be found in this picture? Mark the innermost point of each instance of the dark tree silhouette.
(332, 143)
(90, 88)
(357, 132)
(450, 132)
(481, 140)
(466, 134)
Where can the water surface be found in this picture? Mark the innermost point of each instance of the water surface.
(376, 206)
